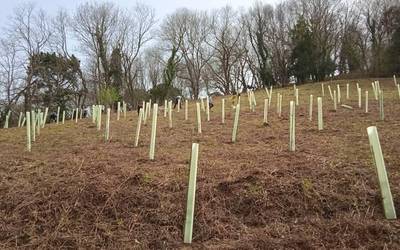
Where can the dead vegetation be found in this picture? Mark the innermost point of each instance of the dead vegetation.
(75, 191)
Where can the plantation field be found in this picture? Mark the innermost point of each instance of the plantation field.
(74, 190)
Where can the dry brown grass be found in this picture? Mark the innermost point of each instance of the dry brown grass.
(76, 191)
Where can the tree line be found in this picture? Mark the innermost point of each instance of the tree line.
(102, 53)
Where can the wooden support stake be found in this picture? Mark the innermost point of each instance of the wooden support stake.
(320, 115)
(266, 104)
(270, 97)
(375, 90)
(23, 122)
(154, 131)
(99, 118)
(63, 117)
(28, 131)
(169, 114)
(311, 108)
(191, 195)
(394, 80)
(186, 110)
(144, 106)
(19, 119)
(58, 115)
(46, 111)
(179, 105)
(346, 106)
(398, 89)
(330, 92)
(94, 113)
(254, 100)
(40, 118)
(297, 96)
(381, 111)
(165, 108)
(150, 106)
(208, 109)
(6, 121)
(146, 113)
(277, 103)
(107, 132)
(323, 89)
(149, 109)
(359, 97)
(138, 127)
(223, 111)
(292, 127)
(270, 93)
(347, 91)
(378, 86)
(118, 110)
(124, 109)
(236, 123)
(198, 118)
(33, 124)
(249, 99)
(339, 94)
(376, 150)
(366, 101)
(76, 115)
(334, 100)
(280, 105)
(37, 118)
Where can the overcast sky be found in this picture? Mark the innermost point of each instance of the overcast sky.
(162, 7)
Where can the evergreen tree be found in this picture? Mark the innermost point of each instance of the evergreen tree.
(350, 54)
(170, 69)
(392, 53)
(166, 89)
(301, 63)
(56, 78)
(115, 72)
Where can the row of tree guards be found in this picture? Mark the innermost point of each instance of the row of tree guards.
(36, 119)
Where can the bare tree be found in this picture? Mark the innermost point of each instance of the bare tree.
(31, 30)
(226, 51)
(278, 39)
(154, 65)
(96, 26)
(190, 30)
(256, 24)
(226, 37)
(60, 38)
(373, 16)
(352, 52)
(11, 74)
(322, 17)
(136, 32)
(60, 33)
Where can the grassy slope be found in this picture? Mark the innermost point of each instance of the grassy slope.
(74, 190)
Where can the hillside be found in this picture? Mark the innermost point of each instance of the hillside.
(76, 191)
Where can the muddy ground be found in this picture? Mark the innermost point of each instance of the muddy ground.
(76, 191)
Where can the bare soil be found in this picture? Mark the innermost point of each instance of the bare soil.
(76, 191)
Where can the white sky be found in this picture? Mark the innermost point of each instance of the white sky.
(162, 7)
